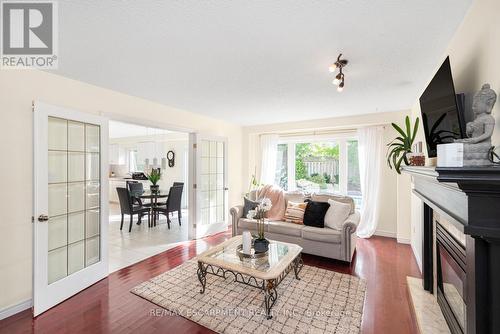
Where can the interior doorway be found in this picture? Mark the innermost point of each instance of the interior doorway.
(136, 151)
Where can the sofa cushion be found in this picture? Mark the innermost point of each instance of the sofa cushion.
(285, 228)
(250, 224)
(321, 234)
(336, 214)
(315, 213)
(249, 205)
(338, 198)
(295, 212)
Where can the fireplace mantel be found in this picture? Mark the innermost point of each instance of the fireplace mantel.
(469, 197)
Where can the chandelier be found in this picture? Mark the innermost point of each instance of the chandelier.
(339, 78)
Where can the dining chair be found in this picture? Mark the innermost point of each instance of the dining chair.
(176, 184)
(135, 187)
(128, 208)
(173, 204)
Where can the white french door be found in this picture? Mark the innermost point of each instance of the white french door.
(70, 203)
(211, 208)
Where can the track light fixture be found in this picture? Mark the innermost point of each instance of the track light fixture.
(339, 78)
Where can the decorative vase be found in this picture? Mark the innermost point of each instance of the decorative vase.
(154, 188)
(247, 242)
(261, 245)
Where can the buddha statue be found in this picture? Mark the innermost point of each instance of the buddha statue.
(479, 131)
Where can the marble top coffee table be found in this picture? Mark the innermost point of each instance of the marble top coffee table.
(264, 273)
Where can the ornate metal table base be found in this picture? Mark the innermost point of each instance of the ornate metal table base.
(267, 286)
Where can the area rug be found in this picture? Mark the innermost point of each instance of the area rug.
(322, 301)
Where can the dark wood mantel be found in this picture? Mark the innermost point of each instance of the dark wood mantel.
(470, 198)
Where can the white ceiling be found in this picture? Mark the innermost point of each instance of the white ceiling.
(255, 62)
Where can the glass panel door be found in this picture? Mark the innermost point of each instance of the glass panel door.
(73, 189)
(211, 186)
(73, 197)
(68, 213)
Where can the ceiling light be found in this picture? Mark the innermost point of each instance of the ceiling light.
(339, 78)
(340, 88)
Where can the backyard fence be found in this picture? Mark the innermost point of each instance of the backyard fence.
(329, 167)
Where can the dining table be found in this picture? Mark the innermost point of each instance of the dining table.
(153, 196)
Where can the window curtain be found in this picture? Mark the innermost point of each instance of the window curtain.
(371, 155)
(269, 156)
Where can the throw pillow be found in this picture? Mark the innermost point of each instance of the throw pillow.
(337, 214)
(315, 213)
(249, 205)
(295, 212)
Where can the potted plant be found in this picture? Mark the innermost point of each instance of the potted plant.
(154, 177)
(400, 147)
(261, 244)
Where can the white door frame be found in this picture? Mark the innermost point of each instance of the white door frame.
(46, 296)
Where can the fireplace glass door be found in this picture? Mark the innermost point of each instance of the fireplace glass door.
(451, 279)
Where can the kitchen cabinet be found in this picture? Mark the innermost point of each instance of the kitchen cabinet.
(116, 154)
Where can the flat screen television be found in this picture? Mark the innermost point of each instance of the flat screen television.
(442, 110)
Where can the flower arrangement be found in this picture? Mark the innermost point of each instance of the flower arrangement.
(259, 213)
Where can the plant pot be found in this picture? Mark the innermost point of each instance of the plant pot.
(261, 245)
(154, 188)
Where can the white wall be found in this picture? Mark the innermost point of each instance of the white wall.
(388, 225)
(474, 54)
(17, 90)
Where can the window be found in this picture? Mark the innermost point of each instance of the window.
(282, 166)
(320, 166)
(353, 180)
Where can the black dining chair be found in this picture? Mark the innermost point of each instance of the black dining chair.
(127, 207)
(176, 184)
(173, 204)
(135, 187)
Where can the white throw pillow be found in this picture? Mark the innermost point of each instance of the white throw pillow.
(337, 214)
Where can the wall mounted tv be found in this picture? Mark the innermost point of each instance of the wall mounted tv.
(442, 110)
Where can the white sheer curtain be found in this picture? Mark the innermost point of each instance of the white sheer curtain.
(269, 156)
(371, 156)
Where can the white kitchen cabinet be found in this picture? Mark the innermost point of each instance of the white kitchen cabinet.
(114, 154)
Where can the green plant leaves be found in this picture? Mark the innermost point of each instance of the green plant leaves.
(399, 147)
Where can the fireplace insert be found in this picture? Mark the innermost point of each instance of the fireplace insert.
(451, 279)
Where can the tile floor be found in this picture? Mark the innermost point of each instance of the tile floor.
(128, 248)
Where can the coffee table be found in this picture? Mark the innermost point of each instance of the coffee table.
(264, 273)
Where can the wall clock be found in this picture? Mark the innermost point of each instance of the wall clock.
(171, 158)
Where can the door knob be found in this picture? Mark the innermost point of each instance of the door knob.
(43, 218)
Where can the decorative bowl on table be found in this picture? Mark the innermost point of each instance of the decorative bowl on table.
(252, 255)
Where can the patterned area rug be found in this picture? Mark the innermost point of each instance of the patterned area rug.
(322, 301)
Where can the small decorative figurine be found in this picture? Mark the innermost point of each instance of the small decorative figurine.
(479, 131)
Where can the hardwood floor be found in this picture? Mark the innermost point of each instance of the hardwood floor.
(109, 307)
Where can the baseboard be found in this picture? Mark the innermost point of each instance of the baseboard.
(404, 241)
(382, 233)
(13, 309)
(417, 258)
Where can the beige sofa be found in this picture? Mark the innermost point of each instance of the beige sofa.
(327, 242)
